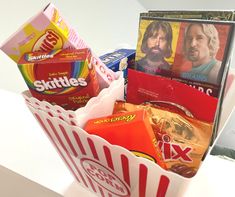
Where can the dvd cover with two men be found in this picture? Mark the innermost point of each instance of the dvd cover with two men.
(192, 47)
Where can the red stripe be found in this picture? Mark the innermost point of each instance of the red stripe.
(68, 140)
(50, 114)
(143, 170)
(61, 117)
(101, 191)
(108, 157)
(58, 111)
(110, 195)
(67, 153)
(125, 169)
(163, 186)
(61, 154)
(79, 143)
(91, 183)
(71, 116)
(73, 123)
(92, 147)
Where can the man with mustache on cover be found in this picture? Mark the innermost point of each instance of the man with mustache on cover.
(201, 44)
(156, 45)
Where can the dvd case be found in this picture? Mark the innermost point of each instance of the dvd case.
(193, 52)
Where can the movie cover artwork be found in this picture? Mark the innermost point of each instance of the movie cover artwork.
(192, 52)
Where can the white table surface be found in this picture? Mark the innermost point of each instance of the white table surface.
(25, 150)
(14, 184)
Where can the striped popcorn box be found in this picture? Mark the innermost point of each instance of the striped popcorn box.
(104, 169)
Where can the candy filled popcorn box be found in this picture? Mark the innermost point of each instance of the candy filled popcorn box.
(70, 87)
(102, 168)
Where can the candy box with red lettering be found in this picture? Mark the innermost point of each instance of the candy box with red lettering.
(63, 77)
(103, 168)
(130, 130)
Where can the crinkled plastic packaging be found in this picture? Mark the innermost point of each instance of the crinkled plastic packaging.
(183, 140)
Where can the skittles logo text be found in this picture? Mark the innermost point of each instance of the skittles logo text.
(32, 58)
(61, 82)
(48, 41)
(105, 178)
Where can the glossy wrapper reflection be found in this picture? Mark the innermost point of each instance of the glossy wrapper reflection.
(183, 140)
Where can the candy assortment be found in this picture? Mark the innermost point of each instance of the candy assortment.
(130, 123)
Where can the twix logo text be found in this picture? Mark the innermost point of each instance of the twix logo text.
(173, 151)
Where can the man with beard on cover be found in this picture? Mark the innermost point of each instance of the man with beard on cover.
(156, 45)
(201, 44)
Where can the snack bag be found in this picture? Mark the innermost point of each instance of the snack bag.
(48, 31)
(64, 77)
(183, 140)
(131, 130)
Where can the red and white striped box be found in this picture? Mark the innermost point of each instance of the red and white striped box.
(105, 169)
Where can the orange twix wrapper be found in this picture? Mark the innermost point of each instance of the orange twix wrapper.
(183, 140)
(131, 130)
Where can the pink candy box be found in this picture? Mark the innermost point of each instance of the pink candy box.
(48, 31)
(104, 169)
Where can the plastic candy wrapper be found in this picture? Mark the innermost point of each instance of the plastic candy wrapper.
(183, 140)
(48, 31)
